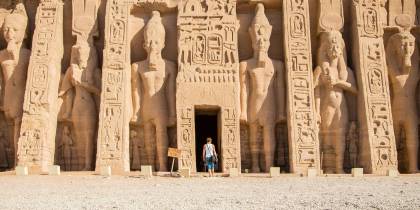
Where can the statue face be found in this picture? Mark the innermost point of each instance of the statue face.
(334, 51)
(260, 38)
(153, 44)
(407, 47)
(13, 31)
(83, 56)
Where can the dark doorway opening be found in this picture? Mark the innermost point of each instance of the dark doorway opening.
(206, 125)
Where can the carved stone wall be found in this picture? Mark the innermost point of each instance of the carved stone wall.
(207, 39)
(208, 76)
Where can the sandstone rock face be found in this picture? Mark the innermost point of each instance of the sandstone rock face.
(297, 84)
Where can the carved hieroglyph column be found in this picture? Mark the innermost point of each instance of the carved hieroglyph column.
(302, 123)
(36, 143)
(114, 116)
(376, 127)
(208, 76)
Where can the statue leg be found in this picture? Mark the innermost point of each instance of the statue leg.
(412, 144)
(339, 147)
(84, 130)
(148, 146)
(162, 145)
(253, 141)
(269, 146)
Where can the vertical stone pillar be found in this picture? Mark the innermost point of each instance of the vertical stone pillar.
(302, 122)
(378, 150)
(115, 112)
(36, 143)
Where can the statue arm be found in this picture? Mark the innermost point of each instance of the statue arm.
(135, 91)
(244, 88)
(346, 79)
(65, 96)
(317, 91)
(280, 91)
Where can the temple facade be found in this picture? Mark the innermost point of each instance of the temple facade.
(328, 85)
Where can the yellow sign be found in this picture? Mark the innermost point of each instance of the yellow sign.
(174, 152)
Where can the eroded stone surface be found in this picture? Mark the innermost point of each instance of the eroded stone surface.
(120, 82)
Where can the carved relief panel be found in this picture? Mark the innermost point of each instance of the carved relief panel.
(379, 150)
(36, 142)
(208, 75)
(303, 137)
(113, 134)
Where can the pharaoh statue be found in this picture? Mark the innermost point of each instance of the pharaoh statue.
(332, 78)
(79, 97)
(262, 95)
(153, 91)
(402, 60)
(14, 61)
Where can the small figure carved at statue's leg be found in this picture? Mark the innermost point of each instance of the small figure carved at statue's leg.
(269, 146)
(254, 147)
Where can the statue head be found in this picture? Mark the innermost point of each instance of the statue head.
(403, 44)
(260, 30)
(80, 53)
(333, 44)
(14, 28)
(154, 35)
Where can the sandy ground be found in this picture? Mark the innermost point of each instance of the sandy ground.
(82, 191)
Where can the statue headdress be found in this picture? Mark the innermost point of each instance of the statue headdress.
(260, 21)
(154, 27)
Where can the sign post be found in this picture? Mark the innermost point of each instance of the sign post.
(173, 153)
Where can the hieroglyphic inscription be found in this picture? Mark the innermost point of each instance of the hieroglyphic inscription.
(304, 142)
(36, 142)
(113, 136)
(208, 60)
(374, 99)
(207, 41)
(230, 141)
(186, 139)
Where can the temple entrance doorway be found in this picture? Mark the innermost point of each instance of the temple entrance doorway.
(207, 124)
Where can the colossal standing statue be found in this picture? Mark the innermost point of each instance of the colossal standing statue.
(403, 67)
(332, 78)
(79, 93)
(153, 91)
(14, 62)
(262, 91)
